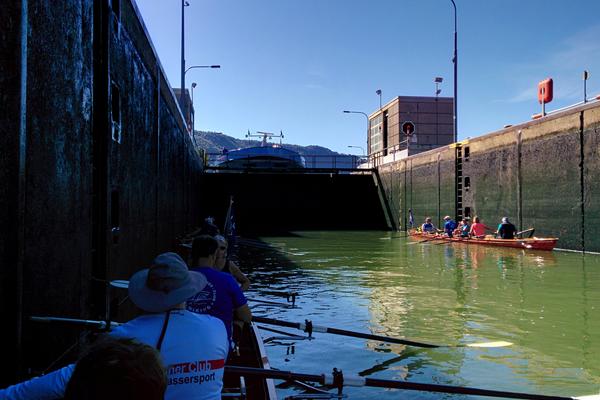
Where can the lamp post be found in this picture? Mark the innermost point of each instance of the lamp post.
(455, 61)
(183, 100)
(438, 80)
(200, 66)
(366, 116)
(184, 4)
(193, 87)
(378, 92)
(359, 147)
(194, 84)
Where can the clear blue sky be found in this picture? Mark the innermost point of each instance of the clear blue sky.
(294, 65)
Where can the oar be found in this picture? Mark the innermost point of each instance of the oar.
(266, 303)
(525, 231)
(102, 325)
(426, 240)
(275, 303)
(338, 379)
(308, 327)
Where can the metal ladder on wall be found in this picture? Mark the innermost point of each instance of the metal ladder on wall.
(458, 182)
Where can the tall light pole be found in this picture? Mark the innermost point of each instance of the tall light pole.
(184, 4)
(359, 147)
(455, 61)
(378, 92)
(183, 100)
(438, 80)
(194, 84)
(200, 66)
(366, 116)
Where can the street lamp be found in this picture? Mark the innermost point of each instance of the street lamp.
(359, 147)
(366, 116)
(183, 101)
(438, 80)
(378, 92)
(200, 66)
(194, 84)
(455, 61)
(193, 87)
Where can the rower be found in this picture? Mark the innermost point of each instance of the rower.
(222, 297)
(226, 265)
(449, 225)
(478, 228)
(428, 227)
(465, 227)
(506, 230)
(118, 369)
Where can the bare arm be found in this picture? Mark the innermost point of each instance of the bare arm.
(243, 313)
(239, 276)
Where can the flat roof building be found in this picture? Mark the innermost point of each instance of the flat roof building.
(187, 107)
(432, 126)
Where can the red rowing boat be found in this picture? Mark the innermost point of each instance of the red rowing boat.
(533, 243)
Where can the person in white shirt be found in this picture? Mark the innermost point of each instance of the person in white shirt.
(193, 346)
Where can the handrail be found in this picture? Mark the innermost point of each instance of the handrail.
(377, 158)
(315, 161)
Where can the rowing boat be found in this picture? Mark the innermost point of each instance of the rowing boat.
(250, 352)
(533, 243)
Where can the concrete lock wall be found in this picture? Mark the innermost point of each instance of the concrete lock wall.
(424, 184)
(98, 171)
(540, 174)
(591, 183)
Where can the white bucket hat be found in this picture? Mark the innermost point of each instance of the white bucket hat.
(167, 283)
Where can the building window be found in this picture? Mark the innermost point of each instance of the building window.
(467, 183)
(467, 212)
(376, 134)
(467, 153)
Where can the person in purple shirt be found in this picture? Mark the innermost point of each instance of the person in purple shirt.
(222, 296)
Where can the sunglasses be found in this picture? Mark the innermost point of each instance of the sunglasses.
(223, 247)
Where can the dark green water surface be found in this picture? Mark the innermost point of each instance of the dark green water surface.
(546, 303)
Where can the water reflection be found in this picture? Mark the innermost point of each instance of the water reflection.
(546, 303)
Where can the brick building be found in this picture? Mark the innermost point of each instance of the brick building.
(432, 118)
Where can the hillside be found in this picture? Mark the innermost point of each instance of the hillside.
(215, 142)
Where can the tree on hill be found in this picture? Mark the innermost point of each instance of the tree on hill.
(215, 142)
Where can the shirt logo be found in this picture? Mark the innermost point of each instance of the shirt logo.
(203, 301)
(194, 372)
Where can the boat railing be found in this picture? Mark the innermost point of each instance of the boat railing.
(314, 161)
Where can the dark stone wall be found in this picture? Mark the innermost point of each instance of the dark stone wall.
(57, 229)
(93, 209)
(10, 243)
(277, 203)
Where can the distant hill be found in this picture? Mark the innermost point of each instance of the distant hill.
(215, 142)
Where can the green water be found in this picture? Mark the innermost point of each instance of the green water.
(546, 303)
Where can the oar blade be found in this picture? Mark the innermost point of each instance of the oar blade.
(120, 284)
(499, 343)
